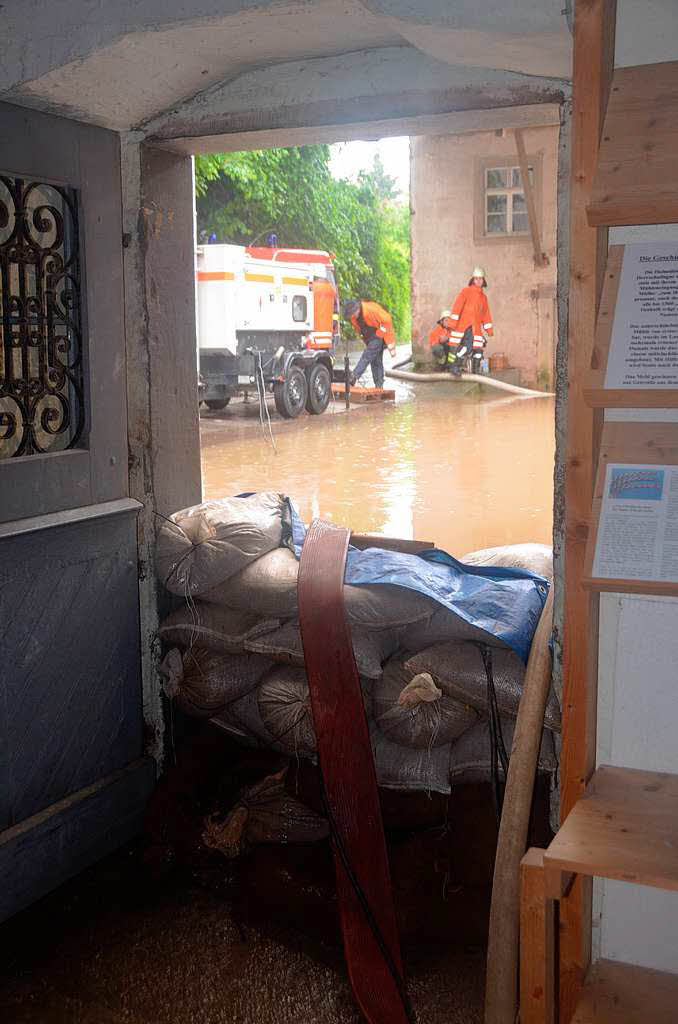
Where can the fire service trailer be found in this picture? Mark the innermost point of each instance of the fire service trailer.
(268, 319)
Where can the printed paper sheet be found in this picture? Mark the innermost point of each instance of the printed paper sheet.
(638, 528)
(644, 342)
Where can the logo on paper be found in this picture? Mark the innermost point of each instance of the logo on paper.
(637, 485)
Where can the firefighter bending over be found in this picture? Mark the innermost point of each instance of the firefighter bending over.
(375, 327)
(444, 353)
(470, 319)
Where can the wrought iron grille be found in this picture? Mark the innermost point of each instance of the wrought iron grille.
(42, 389)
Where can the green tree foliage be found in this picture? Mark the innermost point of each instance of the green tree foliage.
(243, 197)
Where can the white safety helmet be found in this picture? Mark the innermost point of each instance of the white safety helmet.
(445, 313)
(478, 272)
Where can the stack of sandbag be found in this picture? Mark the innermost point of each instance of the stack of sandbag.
(233, 650)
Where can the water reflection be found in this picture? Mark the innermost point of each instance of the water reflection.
(461, 471)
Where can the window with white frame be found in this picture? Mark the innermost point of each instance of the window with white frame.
(505, 210)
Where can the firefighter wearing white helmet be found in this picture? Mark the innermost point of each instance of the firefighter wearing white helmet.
(471, 321)
(439, 338)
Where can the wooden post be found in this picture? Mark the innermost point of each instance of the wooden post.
(540, 259)
(592, 73)
(537, 943)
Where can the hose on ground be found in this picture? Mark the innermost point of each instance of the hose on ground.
(501, 991)
(476, 378)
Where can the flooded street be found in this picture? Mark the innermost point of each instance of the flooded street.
(465, 472)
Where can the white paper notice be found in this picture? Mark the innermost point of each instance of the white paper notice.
(644, 343)
(638, 528)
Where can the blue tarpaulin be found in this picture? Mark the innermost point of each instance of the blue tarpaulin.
(504, 602)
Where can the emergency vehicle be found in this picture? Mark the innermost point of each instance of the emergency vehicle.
(268, 319)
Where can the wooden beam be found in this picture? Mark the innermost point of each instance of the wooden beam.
(636, 173)
(537, 943)
(540, 258)
(459, 122)
(594, 30)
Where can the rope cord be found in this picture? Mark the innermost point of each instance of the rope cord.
(498, 754)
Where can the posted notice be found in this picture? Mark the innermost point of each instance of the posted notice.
(644, 342)
(638, 529)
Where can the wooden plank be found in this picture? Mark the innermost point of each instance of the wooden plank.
(636, 180)
(408, 547)
(617, 993)
(537, 943)
(540, 258)
(362, 395)
(593, 56)
(595, 392)
(457, 122)
(624, 827)
(635, 444)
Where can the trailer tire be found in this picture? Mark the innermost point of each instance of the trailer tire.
(290, 394)
(319, 389)
(217, 403)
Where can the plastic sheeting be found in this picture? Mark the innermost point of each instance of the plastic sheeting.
(504, 603)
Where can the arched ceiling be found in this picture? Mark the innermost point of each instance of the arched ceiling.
(124, 63)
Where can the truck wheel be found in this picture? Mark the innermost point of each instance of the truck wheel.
(290, 395)
(319, 389)
(217, 403)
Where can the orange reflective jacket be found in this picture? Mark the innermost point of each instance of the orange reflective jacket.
(375, 315)
(441, 332)
(471, 309)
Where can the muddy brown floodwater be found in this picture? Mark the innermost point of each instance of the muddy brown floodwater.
(465, 472)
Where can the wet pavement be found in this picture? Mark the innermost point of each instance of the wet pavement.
(463, 470)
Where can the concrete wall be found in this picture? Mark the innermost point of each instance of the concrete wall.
(637, 700)
(447, 227)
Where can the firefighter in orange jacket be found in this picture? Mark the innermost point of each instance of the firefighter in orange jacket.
(439, 340)
(375, 327)
(471, 317)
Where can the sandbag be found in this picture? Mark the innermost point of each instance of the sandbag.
(222, 630)
(285, 708)
(410, 709)
(537, 558)
(265, 813)
(284, 704)
(470, 757)
(243, 714)
(406, 768)
(443, 626)
(267, 587)
(208, 682)
(370, 650)
(200, 547)
(458, 669)
(385, 606)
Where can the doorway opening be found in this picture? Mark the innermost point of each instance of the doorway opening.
(406, 219)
